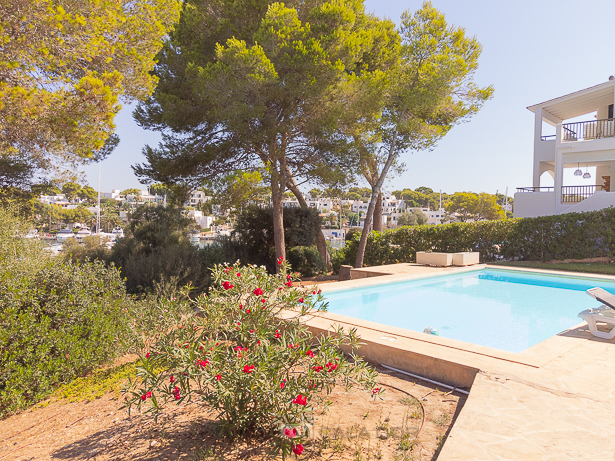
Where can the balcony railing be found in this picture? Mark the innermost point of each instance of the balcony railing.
(535, 189)
(570, 194)
(593, 129)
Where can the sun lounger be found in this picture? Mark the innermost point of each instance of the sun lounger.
(604, 313)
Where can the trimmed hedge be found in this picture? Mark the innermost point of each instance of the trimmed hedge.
(567, 236)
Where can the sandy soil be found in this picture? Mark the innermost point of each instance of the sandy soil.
(355, 428)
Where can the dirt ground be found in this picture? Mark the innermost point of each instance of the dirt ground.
(410, 423)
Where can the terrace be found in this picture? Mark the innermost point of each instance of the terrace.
(577, 145)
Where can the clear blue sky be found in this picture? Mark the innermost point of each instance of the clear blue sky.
(532, 51)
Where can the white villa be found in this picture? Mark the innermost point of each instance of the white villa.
(578, 145)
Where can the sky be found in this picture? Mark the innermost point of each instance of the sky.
(533, 51)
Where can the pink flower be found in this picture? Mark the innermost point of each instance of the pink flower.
(300, 400)
(298, 449)
(227, 285)
(218, 377)
(258, 292)
(248, 369)
(290, 433)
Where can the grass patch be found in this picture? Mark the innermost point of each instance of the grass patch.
(96, 384)
(592, 268)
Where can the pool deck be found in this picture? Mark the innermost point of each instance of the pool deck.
(554, 401)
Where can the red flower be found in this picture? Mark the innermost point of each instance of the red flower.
(283, 384)
(258, 342)
(376, 390)
(218, 377)
(310, 354)
(313, 292)
(227, 285)
(277, 334)
(300, 300)
(176, 393)
(298, 449)
(148, 395)
(331, 366)
(318, 368)
(238, 274)
(251, 331)
(248, 311)
(202, 363)
(300, 400)
(263, 300)
(248, 369)
(143, 397)
(147, 355)
(290, 433)
(172, 379)
(258, 292)
(289, 284)
(226, 270)
(240, 306)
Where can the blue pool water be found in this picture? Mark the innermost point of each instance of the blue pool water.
(509, 310)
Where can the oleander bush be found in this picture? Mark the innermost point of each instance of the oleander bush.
(245, 353)
(566, 236)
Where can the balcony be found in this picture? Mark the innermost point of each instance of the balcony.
(586, 131)
(570, 194)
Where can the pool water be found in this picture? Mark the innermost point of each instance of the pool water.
(508, 310)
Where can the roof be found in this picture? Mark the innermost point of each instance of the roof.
(577, 103)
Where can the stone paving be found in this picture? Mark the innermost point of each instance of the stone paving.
(557, 402)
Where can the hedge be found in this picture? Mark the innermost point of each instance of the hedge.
(567, 236)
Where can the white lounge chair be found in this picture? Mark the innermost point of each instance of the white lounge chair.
(604, 313)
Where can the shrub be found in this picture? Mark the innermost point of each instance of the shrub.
(254, 229)
(567, 236)
(306, 260)
(57, 323)
(246, 354)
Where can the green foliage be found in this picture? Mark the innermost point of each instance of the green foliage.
(306, 260)
(254, 229)
(56, 323)
(469, 205)
(246, 355)
(412, 218)
(65, 65)
(131, 191)
(566, 236)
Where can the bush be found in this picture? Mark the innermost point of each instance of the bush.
(57, 323)
(262, 374)
(567, 236)
(254, 229)
(306, 260)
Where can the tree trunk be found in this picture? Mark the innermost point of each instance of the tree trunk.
(378, 214)
(321, 243)
(278, 182)
(372, 203)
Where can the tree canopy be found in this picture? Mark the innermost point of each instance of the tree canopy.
(475, 207)
(430, 91)
(267, 88)
(65, 65)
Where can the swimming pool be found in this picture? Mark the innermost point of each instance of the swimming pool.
(504, 309)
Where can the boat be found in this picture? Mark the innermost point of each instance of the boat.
(64, 234)
(83, 232)
(117, 232)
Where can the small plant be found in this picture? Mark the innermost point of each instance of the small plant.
(246, 354)
(441, 420)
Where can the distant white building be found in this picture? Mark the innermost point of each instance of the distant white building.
(114, 194)
(204, 221)
(198, 197)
